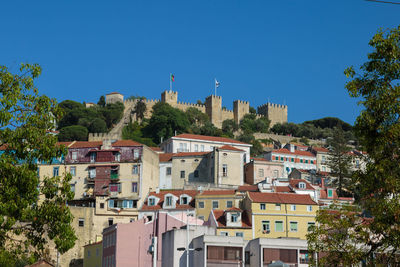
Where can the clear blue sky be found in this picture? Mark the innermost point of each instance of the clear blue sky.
(287, 51)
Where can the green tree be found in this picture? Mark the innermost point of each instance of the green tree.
(252, 110)
(97, 126)
(73, 133)
(164, 121)
(112, 113)
(196, 117)
(68, 105)
(140, 109)
(339, 161)
(102, 101)
(27, 224)
(377, 128)
(133, 131)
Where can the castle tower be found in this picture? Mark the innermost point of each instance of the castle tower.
(214, 110)
(275, 113)
(240, 108)
(169, 97)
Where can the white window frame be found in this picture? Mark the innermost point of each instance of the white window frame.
(295, 223)
(263, 206)
(201, 204)
(309, 208)
(293, 207)
(74, 155)
(215, 201)
(283, 226)
(224, 170)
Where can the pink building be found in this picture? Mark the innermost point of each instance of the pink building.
(133, 244)
(260, 169)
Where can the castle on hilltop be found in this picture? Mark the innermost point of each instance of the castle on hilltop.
(212, 107)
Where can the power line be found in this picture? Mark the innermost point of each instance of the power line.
(385, 2)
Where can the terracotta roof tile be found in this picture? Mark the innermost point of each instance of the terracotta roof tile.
(259, 159)
(233, 209)
(217, 192)
(296, 152)
(126, 143)
(283, 198)
(283, 189)
(244, 188)
(86, 144)
(209, 138)
(165, 157)
(155, 148)
(113, 93)
(294, 183)
(221, 220)
(227, 147)
(190, 154)
(320, 149)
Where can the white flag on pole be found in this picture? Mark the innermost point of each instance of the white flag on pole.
(216, 83)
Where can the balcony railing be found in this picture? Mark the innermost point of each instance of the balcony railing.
(114, 176)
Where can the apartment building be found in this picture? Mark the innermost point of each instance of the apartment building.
(276, 215)
(216, 199)
(260, 169)
(231, 222)
(292, 159)
(173, 202)
(322, 157)
(202, 143)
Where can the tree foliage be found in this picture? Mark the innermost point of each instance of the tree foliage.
(164, 121)
(102, 101)
(133, 131)
(339, 161)
(377, 87)
(27, 224)
(96, 119)
(140, 109)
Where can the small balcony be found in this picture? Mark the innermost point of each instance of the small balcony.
(114, 176)
(90, 179)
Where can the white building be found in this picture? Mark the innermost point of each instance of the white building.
(293, 159)
(202, 143)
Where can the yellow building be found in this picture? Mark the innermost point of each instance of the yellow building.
(231, 222)
(93, 255)
(215, 199)
(274, 215)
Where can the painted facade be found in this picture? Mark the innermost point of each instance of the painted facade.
(93, 255)
(216, 199)
(202, 143)
(260, 169)
(275, 215)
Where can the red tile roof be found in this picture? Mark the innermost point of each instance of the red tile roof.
(284, 198)
(227, 147)
(126, 143)
(260, 159)
(296, 152)
(221, 220)
(217, 192)
(294, 183)
(190, 154)
(67, 144)
(165, 157)
(86, 144)
(113, 93)
(244, 188)
(283, 189)
(233, 209)
(209, 138)
(320, 149)
(155, 148)
(176, 193)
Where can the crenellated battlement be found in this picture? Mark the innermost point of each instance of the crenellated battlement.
(241, 102)
(276, 113)
(191, 104)
(103, 136)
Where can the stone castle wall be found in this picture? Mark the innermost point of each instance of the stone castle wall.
(213, 108)
(274, 112)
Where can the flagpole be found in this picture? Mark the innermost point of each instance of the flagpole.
(170, 81)
(215, 86)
